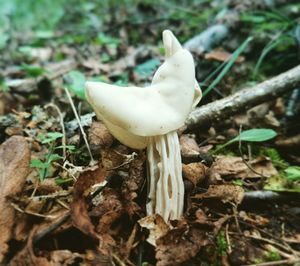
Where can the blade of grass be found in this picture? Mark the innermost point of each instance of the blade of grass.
(228, 65)
(268, 48)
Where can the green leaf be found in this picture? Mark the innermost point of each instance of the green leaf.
(37, 163)
(50, 137)
(60, 181)
(105, 39)
(33, 71)
(293, 173)
(147, 68)
(75, 82)
(255, 135)
(54, 157)
(251, 135)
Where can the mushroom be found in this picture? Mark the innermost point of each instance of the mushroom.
(149, 117)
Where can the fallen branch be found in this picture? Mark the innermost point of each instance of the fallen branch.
(244, 99)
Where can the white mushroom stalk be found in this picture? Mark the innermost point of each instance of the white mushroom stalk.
(149, 117)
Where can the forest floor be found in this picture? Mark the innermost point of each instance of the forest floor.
(71, 194)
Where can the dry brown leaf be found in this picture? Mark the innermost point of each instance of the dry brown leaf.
(14, 167)
(156, 226)
(79, 206)
(222, 56)
(113, 159)
(194, 172)
(234, 167)
(226, 193)
(99, 135)
(109, 209)
(26, 256)
(133, 183)
(180, 244)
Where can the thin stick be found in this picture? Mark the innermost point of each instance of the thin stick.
(92, 162)
(274, 263)
(244, 99)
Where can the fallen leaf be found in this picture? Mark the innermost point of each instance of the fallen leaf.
(79, 206)
(222, 56)
(108, 210)
(14, 167)
(135, 179)
(99, 135)
(194, 172)
(156, 225)
(180, 244)
(226, 193)
(234, 167)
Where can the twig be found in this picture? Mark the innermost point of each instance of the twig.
(274, 263)
(16, 207)
(229, 249)
(244, 99)
(80, 126)
(284, 247)
(51, 227)
(61, 120)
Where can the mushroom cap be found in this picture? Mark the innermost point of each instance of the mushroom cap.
(133, 113)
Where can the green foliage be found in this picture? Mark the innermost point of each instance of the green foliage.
(275, 157)
(293, 173)
(255, 135)
(221, 243)
(49, 137)
(33, 71)
(251, 135)
(60, 181)
(104, 39)
(147, 68)
(75, 82)
(272, 256)
(238, 182)
(226, 66)
(274, 43)
(262, 21)
(44, 166)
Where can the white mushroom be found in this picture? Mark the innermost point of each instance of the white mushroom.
(149, 117)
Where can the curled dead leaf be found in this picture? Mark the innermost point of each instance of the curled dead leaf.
(79, 206)
(156, 226)
(14, 167)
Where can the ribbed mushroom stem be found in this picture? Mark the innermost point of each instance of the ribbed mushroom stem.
(166, 189)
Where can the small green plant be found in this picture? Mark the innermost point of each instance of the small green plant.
(44, 166)
(251, 135)
(221, 243)
(275, 157)
(292, 173)
(273, 256)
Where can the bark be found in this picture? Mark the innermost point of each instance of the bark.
(244, 99)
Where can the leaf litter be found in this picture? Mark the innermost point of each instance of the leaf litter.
(60, 211)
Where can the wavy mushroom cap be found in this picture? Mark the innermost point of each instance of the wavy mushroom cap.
(134, 113)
